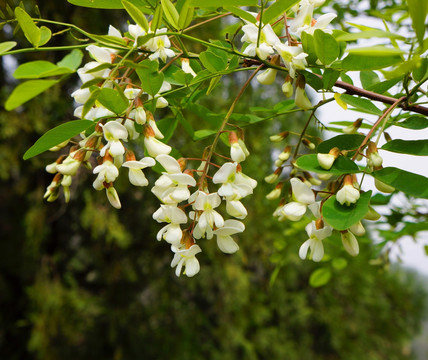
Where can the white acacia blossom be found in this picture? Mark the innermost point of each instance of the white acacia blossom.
(302, 196)
(314, 243)
(225, 241)
(186, 258)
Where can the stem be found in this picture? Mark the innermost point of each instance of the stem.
(58, 48)
(207, 21)
(376, 124)
(303, 133)
(222, 126)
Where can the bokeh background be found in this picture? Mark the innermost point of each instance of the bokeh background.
(85, 281)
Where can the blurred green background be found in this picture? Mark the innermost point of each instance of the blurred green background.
(85, 281)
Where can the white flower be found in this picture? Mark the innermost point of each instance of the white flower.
(136, 175)
(235, 185)
(209, 217)
(303, 196)
(107, 172)
(303, 18)
(173, 215)
(224, 240)
(315, 241)
(267, 77)
(347, 194)
(69, 166)
(185, 66)
(186, 258)
(155, 147)
(238, 151)
(85, 76)
(131, 93)
(81, 95)
(357, 229)
(293, 57)
(101, 54)
(113, 198)
(236, 209)
(301, 99)
(326, 160)
(136, 31)
(113, 133)
(267, 39)
(321, 23)
(350, 243)
(159, 45)
(112, 31)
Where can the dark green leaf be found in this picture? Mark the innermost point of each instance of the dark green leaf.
(56, 136)
(167, 127)
(384, 86)
(308, 43)
(112, 100)
(412, 147)
(212, 61)
(369, 78)
(329, 78)
(312, 80)
(343, 142)
(361, 104)
(407, 182)
(342, 165)
(26, 91)
(151, 81)
(341, 217)
(320, 277)
(415, 122)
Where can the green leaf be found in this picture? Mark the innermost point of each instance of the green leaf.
(368, 34)
(415, 122)
(39, 69)
(26, 91)
(326, 47)
(202, 134)
(212, 61)
(56, 136)
(186, 15)
(308, 43)
(420, 72)
(361, 104)
(170, 12)
(6, 46)
(91, 101)
(418, 10)
(312, 80)
(342, 165)
(113, 100)
(157, 18)
(341, 217)
(407, 182)
(222, 3)
(45, 35)
(136, 14)
(339, 263)
(71, 60)
(378, 50)
(320, 277)
(357, 61)
(278, 8)
(242, 14)
(384, 86)
(329, 78)
(31, 31)
(411, 147)
(167, 127)
(185, 123)
(369, 78)
(151, 79)
(107, 4)
(109, 40)
(343, 142)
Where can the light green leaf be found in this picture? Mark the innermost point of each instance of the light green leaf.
(407, 182)
(378, 50)
(202, 134)
(361, 104)
(170, 12)
(112, 100)
(341, 217)
(136, 14)
(39, 69)
(357, 61)
(368, 34)
(109, 40)
(308, 43)
(71, 60)
(339, 263)
(415, 122)
(326, 47)
(151, 81)
(186, 15)
(411, 147)
(329, 78)
(157, 18)
(56, 136)
(6, 46)
(342, 165)
(320, 277)
(418, 10)
(384, 86)
(31, 31)
(278, 8)
(45, 35)
(242, 14)
(108, 4)
(369, 78)
(26, 91)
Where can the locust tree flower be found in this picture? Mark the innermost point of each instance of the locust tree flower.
(320, 24)
(235, 185)
(186, 258)
(107, 173)
(153, 146)
(302, 196)
(317, 232)
(185, 66)
(174, 216)
(159, 45)
(101, 54)
(238, 150)
(113, 133)
(267, 77)
(136, 31)
(293, 56)
(267, 39)
(136, 175)
(350, 243)
(301, 99)
(357, 229)
(236, 209)
(348, 194)
(225, 241)
(326, 160)
(209, 217)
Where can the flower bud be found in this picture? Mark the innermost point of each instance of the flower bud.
(275, 193)
(373, 157)
(357, 229)
(352, 129)
(285, 155)
(140, 115)
(372, 214)
(267, 77)
(301, 99)
(59, 146)
(324, 177)
(270, 179)
(326, 160)
(348, 194)
(350, 243)
(279, 137)
(382, 187)
(287, 87)
(278, 163)
(310, 145)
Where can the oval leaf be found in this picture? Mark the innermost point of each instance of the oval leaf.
(45, 35)
(361, 104)
(412, 147)
(31, 31)
(112, 100)
(39, 69)
(342, 165)
(343, 142)
(356, 61)
(56, 136)
(407, 182)
(320, 277)
(341, 217)
(136, 15)
(6, 46)
(415, 122)
(326, 47)
(26, 91)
